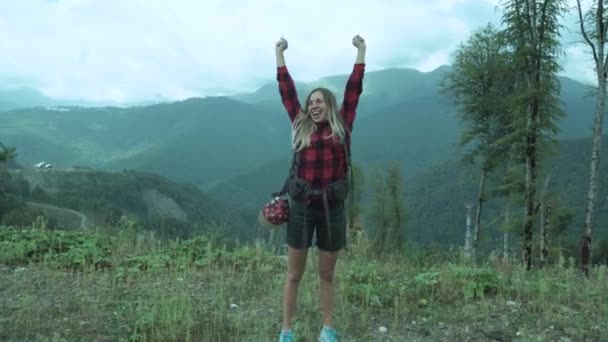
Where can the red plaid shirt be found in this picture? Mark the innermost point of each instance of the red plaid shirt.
(324, 161)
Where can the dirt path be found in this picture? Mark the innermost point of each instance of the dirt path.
(83, 217)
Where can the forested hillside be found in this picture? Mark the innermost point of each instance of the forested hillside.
(110, 199)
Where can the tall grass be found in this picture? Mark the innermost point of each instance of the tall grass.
(126, 285)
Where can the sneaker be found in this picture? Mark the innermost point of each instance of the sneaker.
(286, 336)
(328, 335)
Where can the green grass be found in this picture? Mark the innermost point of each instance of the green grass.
(125, 285)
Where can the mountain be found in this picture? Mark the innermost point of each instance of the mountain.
(196, 140)
(28, 97)
(237, 148)
(381, 89)
(411, 122)
(209, 140)
(22, 97)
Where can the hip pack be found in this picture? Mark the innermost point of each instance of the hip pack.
(300, 190)
(276, 211)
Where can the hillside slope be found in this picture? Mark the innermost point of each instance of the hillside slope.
(169, 208)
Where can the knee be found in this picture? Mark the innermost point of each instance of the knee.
(326, 275)
(294, 276)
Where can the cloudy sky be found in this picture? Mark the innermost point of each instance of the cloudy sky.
(135, 50)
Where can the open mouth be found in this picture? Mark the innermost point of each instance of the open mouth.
(315, 114)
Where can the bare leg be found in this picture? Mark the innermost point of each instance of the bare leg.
(327, 264)
(296, 263)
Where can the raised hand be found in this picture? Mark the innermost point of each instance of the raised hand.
(281, 45)
(358, 42)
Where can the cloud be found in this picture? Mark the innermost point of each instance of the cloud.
(140, 49)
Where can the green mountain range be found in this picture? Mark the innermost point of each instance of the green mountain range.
(237, 148)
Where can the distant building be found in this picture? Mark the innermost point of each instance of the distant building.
(44, 165)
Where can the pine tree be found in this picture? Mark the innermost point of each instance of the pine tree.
(533, 30)
(480, 82)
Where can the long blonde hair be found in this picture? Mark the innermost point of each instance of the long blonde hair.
(303, 126)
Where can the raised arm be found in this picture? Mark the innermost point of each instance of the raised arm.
(354, 85)
(287, 87)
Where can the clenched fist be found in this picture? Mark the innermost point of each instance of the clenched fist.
(281, 45)
(358, 42)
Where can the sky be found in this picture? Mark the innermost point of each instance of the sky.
(122, 51)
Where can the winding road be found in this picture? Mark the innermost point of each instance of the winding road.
(83, 217)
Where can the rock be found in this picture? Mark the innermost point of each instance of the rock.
(422, 302)
(498, 335)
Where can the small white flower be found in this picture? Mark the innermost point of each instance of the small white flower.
(382, 329)
(233, 306)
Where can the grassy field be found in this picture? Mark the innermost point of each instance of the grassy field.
(123, 285)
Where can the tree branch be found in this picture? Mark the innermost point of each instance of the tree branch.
(584, 32)
(602, 40)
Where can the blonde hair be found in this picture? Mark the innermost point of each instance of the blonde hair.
(303, 126)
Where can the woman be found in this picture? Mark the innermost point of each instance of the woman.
(317, 187)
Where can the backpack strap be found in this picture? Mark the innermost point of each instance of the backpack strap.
(295, 164)
(351, 182)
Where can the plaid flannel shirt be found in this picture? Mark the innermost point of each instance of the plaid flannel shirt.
(324, 161)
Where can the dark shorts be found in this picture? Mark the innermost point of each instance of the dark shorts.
(307, 219)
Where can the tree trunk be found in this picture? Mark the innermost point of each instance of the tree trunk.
(382, 232)
(398, 234)
(544, 219)
(593, 172)
(531, 148)
(541, 260)
(530, 186)
(507, 213)
(467, 236)
(505, 234)
(482, 183)
(544, 242)
(598, 50)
